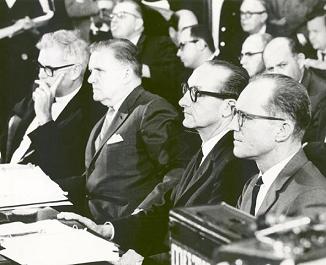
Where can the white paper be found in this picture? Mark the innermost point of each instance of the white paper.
(58, 244)
(27, 185)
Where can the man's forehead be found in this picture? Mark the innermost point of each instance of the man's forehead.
(103, 56)
(185, 35)
(319, 22)
(125, 6)
(252, 44)
(209, 77)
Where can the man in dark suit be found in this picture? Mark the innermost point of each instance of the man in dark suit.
(213, 175)
(268, 128)
(282, 56)
(157, 54)
(135, 146)
(50, 134)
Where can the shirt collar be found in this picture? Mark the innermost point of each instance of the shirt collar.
(135, 39)
(208, 145)
(262, 30)
(271, 174)
(67, 98)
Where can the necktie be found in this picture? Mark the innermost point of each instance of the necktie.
(198, 160)
(254, 195)
(107, 122)
(323, 56)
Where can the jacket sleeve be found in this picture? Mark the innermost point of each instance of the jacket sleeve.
(161, 131)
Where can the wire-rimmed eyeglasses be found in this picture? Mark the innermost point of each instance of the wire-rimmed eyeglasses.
(249, 14)
(242, 116)
(49, 70)
(194, 93)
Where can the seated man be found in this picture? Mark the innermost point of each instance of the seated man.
(251, 57)
(135, 145)
(50, 128)
(268, 128)
(213, 175)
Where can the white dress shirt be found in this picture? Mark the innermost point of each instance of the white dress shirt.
(10, 3)
(268, 178)
(57, 107)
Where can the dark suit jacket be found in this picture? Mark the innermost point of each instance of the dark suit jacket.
(299, 189)
(220, 177)
(316, 88)
(59, 145)
(159, 53)
(119, 175)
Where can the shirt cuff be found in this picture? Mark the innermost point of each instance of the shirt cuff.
(112, 228)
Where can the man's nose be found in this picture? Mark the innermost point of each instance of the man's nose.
(234, 125)
(91, 78)
(184, 101)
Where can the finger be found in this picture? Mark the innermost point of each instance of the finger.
(56, 83)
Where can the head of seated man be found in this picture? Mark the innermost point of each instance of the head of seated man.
(251, 57)
(179, 20)
(195, 46)
(316, 26)
(127, 21)
(62, 53)
(253, 16)
(282, 56)
(268, 128)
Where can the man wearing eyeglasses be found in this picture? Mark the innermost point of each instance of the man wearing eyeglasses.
(283, 56)
(50, 128)
(251, 57)
(157, 54)
(195, 46)
(268, 128)
(253, 16)
(212, 176)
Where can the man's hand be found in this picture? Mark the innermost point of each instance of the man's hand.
(43, 99)
(315, 64)
(105, 231)
(131, 257)
(146, 71)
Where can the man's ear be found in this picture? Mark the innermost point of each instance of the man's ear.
(76, 71)
(301, 60)
(284, 131)
(139, 24)
(201, 44)
(226, 108)
(264, 17)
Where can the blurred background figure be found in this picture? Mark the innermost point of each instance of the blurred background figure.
(251, 57)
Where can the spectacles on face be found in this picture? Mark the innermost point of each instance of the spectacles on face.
(183, 44)
(248, 54)
(122, 15)
(195, 93)
(242, 116)
(49, 70)
(249, 14)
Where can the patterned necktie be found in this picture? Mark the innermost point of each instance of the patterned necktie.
(255, 194)
(107, 122)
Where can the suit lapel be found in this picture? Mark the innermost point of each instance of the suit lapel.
(195, 179)
(280, 183)
(122, 114)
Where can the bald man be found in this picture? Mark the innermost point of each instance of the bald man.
(251, 57)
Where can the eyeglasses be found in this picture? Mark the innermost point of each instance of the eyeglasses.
(195, 93)
(49, 70)
(248, 54)
(242, 116)
(183, 44)
(249, 14)
(121, 15)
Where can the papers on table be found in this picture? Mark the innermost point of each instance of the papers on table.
(51, 242)
(25, 185)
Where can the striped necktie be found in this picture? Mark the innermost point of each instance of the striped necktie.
(107, 122)
(254, 195)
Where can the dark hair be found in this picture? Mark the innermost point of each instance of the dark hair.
(317, 11)
(291, 98)
(201, 32)
(174, 21)
(124, 51)
(237, 80)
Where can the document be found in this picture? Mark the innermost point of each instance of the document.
(51, 242)
(25, 185)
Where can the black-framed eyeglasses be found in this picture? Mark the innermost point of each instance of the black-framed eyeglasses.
(122, 15)
(195, 93)
(242, 116)
(183, 44)
(49, 70)
(248, 54)
(249, 14)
